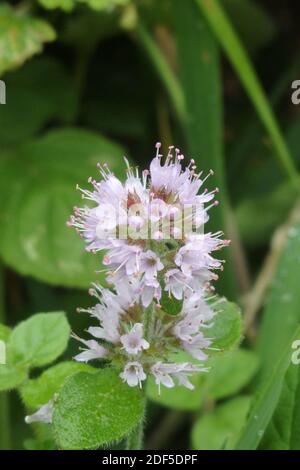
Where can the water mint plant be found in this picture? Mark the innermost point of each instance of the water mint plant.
(160, 302)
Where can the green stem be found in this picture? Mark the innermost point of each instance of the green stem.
(148, 321)
(5, 442)
(135, 438)
(165, 73)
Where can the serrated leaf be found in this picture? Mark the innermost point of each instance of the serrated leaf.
(39, 198)
(11, 376)
(226, 331)
(40, 339)
(95, 409)
(37, 392)
(220, 428)
(39, 92)
(21, 36)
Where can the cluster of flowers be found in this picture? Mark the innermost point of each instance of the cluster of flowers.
(165, 257)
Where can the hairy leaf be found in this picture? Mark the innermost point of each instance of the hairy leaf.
(37, 392)
(95, 409)
(40, 339)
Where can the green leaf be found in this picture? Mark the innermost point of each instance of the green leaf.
(37, 392)
(281, 314)
(66, 5)
(95, 409)
(220, 428)
(39, 92)
(5, 332)
(229, 373)
(222, 28)
(203, 124)
(266, 399)
(105, 4)
(163, 69)
(283, 431)
(170, 305)
(21, 36)
(38, 186)
(11, 376)
(40, 339)
(226, 331)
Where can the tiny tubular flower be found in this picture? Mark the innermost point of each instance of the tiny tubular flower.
(133, 374)
(43, 414)
(133, 342)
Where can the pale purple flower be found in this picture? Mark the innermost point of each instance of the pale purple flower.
(195, 254)
(184, 370)
(195, 345)
(43, 415)
(150, 289)
(94, 350)
(166, 373)
(161, 373)
(150, 264)
(133, 374)
(175, 283)
(196, 312)
(133, 342)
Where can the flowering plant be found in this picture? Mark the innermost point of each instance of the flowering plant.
(156, 323)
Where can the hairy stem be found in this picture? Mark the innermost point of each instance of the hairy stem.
(135, 438)
(5, 443)
(148, 322)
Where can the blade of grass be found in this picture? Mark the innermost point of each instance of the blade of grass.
(222, 28)
(163, 69)
(266, 401)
